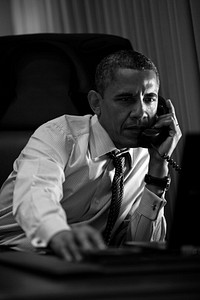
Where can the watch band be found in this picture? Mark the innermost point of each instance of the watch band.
(163, 183)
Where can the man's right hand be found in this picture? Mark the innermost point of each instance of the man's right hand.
(69, 244)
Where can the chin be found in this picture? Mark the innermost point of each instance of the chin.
(128, 144)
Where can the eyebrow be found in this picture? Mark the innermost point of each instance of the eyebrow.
(126, 94)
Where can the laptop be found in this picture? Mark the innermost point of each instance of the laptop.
(185, 229)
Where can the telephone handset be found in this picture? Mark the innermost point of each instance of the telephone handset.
(155, 136)
(152, 137)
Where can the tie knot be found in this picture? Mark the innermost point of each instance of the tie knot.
(118, 160)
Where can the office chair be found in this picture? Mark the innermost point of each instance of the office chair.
(43, 76)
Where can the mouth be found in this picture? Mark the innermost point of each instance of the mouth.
(133, 131)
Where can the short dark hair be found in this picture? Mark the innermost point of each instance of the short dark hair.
(126, 59)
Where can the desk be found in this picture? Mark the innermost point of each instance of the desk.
(159, 276)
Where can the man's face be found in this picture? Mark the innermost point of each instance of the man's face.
(128, 105)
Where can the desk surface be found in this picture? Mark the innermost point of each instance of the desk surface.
(137, 276)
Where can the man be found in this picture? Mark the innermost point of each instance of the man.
(59, 192)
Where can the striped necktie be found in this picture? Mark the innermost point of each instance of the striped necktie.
(117, 194)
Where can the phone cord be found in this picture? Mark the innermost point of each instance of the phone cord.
(169, 160)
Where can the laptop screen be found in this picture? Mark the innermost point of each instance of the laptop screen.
(185, 229)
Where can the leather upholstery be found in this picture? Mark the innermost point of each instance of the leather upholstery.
(43, 76)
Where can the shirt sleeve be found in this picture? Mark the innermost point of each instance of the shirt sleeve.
(38, 187)
(147, 222)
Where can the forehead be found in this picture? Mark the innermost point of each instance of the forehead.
(134, 80)
(135, 75)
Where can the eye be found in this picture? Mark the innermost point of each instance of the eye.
(126, 99)
(150, 98)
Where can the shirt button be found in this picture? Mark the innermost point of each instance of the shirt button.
(154, 206)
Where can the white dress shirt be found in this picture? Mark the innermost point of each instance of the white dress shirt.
(63, 176)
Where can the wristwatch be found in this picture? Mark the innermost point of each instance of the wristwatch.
(163, 183)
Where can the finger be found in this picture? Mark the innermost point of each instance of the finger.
(170, 106)
(90, 238)
(99, 242)
(166, 121)
(63, 244)
(73, 250)
(96, 239)
(172, 111)
(64, 254)
(83, 240)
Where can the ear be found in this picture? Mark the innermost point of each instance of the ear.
(94, 99)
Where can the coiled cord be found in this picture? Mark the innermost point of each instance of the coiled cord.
(169, 160)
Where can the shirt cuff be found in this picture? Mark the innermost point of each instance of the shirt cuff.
(47, 230)
(150, 205)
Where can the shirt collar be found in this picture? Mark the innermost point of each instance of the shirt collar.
(100, 142)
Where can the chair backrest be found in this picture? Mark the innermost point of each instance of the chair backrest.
(43, 76)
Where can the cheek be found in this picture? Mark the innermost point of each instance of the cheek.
(152, 117)
(115, 123)
(120, 119)
(152, 112)
(113, 117)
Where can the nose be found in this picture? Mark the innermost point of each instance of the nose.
(138, 109)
